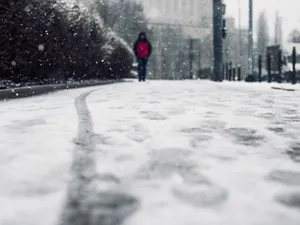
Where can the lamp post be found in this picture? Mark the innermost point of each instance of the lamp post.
(218, 12)
(240, 56)
(250, 40)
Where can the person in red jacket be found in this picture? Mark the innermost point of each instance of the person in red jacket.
(142, 50)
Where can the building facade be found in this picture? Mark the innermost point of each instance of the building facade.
(179, 11)
(236, 46)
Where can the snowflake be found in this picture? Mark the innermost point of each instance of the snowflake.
(41, 47)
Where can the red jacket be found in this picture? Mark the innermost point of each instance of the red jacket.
(142, 47)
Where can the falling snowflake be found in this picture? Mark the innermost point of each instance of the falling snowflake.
(41, 47)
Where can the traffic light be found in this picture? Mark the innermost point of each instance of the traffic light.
(224, 29)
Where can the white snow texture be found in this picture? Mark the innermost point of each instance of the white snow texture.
(191, 152)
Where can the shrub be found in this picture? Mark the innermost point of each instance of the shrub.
(46, 40)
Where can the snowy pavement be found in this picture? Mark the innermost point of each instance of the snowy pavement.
(176, 153)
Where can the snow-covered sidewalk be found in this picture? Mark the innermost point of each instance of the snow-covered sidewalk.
(183, 152)
(36, 152)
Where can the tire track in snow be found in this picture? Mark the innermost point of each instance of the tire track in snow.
(85, 205)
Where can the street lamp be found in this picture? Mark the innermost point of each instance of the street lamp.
(218, 34)
(250, 40)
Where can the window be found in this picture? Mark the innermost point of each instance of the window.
(204, 22)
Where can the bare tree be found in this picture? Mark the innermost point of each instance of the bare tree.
(262, 34)
(126, 18)
(278, 29)
(294, 36)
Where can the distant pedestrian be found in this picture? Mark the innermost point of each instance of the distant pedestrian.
(142, 49)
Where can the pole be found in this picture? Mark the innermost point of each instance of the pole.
(233, 73)
(269, 67)
(227, 71)
(279, 66)
(239, 73)
(250, 40)
(259, 68)
(217, 40)
(199, 56)
(294, 78)
(191, 58)
(276, 41)
(240, 36)
(230, 71)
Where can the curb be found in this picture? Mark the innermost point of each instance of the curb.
(45, 89)
(283, 89)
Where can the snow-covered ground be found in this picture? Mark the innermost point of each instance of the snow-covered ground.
(165, 152)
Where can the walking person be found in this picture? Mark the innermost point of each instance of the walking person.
(142, 50)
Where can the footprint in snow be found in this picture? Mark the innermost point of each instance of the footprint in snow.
(198, 191)
(291, 178)
(290, 199)
(150, 115)
(245, 136)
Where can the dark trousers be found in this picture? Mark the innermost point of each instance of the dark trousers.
(142, 69)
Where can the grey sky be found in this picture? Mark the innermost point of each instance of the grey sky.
(288, 9)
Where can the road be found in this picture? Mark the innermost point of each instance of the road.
(163, 152)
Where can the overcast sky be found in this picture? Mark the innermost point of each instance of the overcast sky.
(288, 9)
